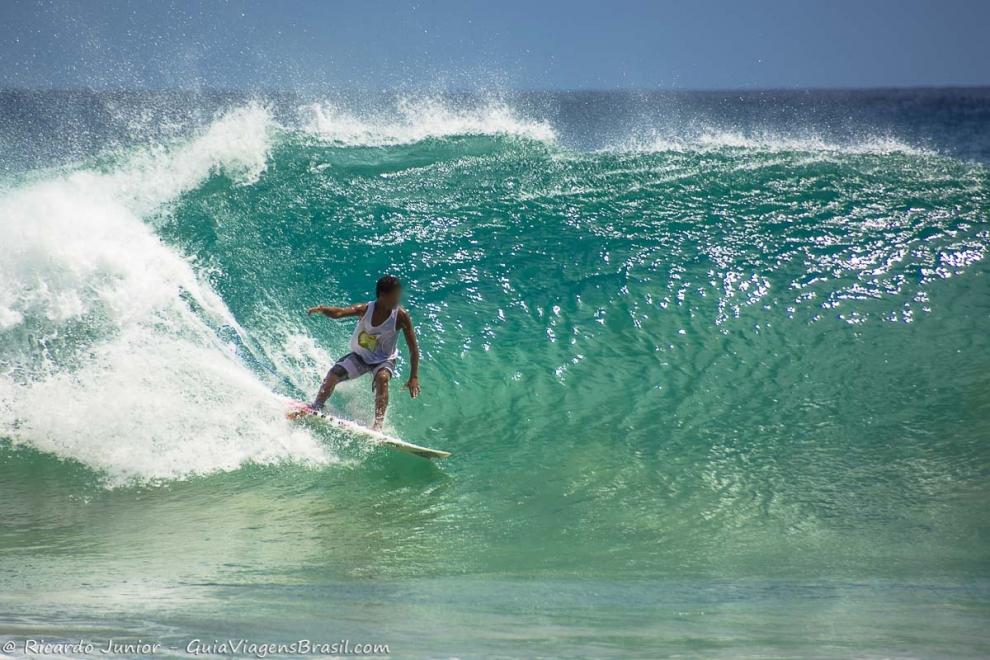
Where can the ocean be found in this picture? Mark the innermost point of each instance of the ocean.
(714, 369)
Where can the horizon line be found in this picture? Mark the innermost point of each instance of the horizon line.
(518, 90)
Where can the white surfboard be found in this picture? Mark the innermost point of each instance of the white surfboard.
(375, 436)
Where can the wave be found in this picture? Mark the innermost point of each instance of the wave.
(115, 351)
(412, 121)
(108, 347)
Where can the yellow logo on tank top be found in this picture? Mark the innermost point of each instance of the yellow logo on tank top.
(366, 341)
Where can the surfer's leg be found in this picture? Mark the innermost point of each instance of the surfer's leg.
(382, 376)
(326, 389)
(349, 366)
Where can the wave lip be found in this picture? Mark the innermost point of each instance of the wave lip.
(419, 120)
(710, 140)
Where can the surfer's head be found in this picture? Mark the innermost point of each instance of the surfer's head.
(388, 290)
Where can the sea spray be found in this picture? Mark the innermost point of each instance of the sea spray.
(109, 334)
(416, 119)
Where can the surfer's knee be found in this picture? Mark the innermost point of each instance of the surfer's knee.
(381, 381)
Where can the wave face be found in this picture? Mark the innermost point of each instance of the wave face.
(662, 335)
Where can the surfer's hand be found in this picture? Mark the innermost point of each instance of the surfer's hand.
(413, 386)
(314, 310)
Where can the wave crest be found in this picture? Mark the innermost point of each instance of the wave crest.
(417, 120)
(769, 142)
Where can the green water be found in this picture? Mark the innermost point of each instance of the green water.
(721, 395)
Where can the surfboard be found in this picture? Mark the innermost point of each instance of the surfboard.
(376, 437)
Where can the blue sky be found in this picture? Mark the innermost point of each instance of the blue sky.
(467, 44)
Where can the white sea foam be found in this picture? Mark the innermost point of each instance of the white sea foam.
(714, 140)
(107, 349)
(421, 119)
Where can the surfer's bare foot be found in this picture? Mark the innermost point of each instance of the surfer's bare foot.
(302, 412)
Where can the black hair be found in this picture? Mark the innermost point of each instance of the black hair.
(386, 283)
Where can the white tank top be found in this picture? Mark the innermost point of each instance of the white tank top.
(376, 343)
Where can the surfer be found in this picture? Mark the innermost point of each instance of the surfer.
(374, 347)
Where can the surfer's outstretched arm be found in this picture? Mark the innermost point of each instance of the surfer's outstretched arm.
(339, 312)
(405, 322)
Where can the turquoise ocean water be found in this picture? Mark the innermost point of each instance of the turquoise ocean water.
(715, 371)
